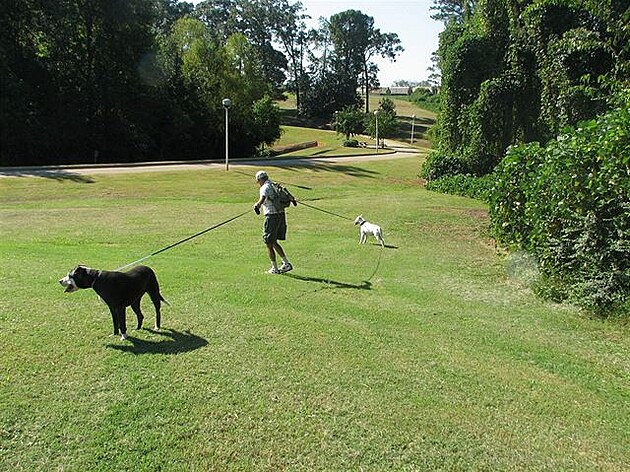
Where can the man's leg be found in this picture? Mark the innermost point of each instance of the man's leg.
(272, 253)
(279, 250)
(286, 265)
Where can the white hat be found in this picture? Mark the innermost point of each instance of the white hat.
(261, 175)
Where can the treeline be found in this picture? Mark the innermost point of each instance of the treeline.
(547, 82)
(131, 80)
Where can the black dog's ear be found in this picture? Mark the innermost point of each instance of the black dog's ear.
(82, 276)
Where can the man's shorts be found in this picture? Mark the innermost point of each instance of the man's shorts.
(275, 228)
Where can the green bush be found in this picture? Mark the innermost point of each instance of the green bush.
(464, 185)
(426, 98)
(351, 143)
(438, 165)
(569, 205)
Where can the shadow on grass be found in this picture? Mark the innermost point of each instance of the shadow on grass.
(300, 162)
(365, 285)
(177, 344)
(53, 174)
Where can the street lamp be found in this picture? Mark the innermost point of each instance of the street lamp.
(376, 118)
(413, 123)
(227, 103)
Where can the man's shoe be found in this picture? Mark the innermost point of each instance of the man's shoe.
(274, 270)
(285, 267)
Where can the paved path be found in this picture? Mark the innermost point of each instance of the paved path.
(395, 150)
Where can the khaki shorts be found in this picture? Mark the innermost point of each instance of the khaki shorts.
(275, 228)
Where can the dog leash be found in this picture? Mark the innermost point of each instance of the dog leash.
(380, 254)
(324, 211)
(181, 241)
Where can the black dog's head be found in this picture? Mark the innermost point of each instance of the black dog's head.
(77, 278)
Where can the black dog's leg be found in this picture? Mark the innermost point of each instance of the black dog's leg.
(122, 321)
(114, 312)
(135, 306)
(157, 302)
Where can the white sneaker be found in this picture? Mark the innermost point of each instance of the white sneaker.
(285, 267)
(274, 270)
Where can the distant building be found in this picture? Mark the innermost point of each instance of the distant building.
(392, 91)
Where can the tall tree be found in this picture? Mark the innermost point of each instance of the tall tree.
(289, 27)
(520, 70)
(356, 42)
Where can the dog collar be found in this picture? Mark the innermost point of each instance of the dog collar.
(362, 223)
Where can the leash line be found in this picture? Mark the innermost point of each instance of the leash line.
(324, 211)
(182, 241)
(378, 264)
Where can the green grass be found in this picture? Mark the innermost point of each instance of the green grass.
(421, 356)
(300, 129)
(329, 143)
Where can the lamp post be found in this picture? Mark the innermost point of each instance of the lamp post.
(227, 103)
(413, 123)
(376, 118)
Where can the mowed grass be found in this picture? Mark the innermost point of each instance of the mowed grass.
(421, 356)
(298, 130)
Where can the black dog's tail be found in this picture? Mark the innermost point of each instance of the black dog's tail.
(164, 300)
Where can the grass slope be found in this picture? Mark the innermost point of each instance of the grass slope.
(421, 356)
(298, 129)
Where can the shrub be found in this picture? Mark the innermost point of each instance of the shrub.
(438, 165)
(351, 143)
(569, 205)
(464, 185)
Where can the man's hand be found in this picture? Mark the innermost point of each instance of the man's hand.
(257, 209)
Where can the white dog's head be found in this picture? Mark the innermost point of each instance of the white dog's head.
(359, 220)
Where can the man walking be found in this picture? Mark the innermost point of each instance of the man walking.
(275, 226)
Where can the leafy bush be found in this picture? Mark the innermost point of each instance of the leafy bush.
(438, 165)
(351, 143)
(464, 185)
(426, 98)
(569, 205)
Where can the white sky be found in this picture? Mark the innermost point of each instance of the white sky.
(409, 19)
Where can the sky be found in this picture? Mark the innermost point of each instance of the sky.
(409, 19)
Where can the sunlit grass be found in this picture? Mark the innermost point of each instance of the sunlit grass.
(424, 355)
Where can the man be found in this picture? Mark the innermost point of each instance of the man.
(275, 226)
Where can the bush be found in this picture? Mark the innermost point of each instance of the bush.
(351, 143)
(438, 165)
(569, 205)
(464, 185)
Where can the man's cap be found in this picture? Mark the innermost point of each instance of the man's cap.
(261, 175)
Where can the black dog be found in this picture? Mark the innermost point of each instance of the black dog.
(118, 290)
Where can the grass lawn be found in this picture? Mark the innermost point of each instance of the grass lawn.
(421, 356)
(299, 129)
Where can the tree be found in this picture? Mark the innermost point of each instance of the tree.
(356, 42)
(453, 10)
(349, 121)
(288, 24)
(265, 127)
(515, 71)
(255, 20)
(387, 120)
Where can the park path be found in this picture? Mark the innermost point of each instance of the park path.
(395, 150)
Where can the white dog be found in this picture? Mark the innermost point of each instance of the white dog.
(366, 228)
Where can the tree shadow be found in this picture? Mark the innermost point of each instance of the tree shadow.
(319, 166)
(178, 343)
(329, 283)
(53, 174)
